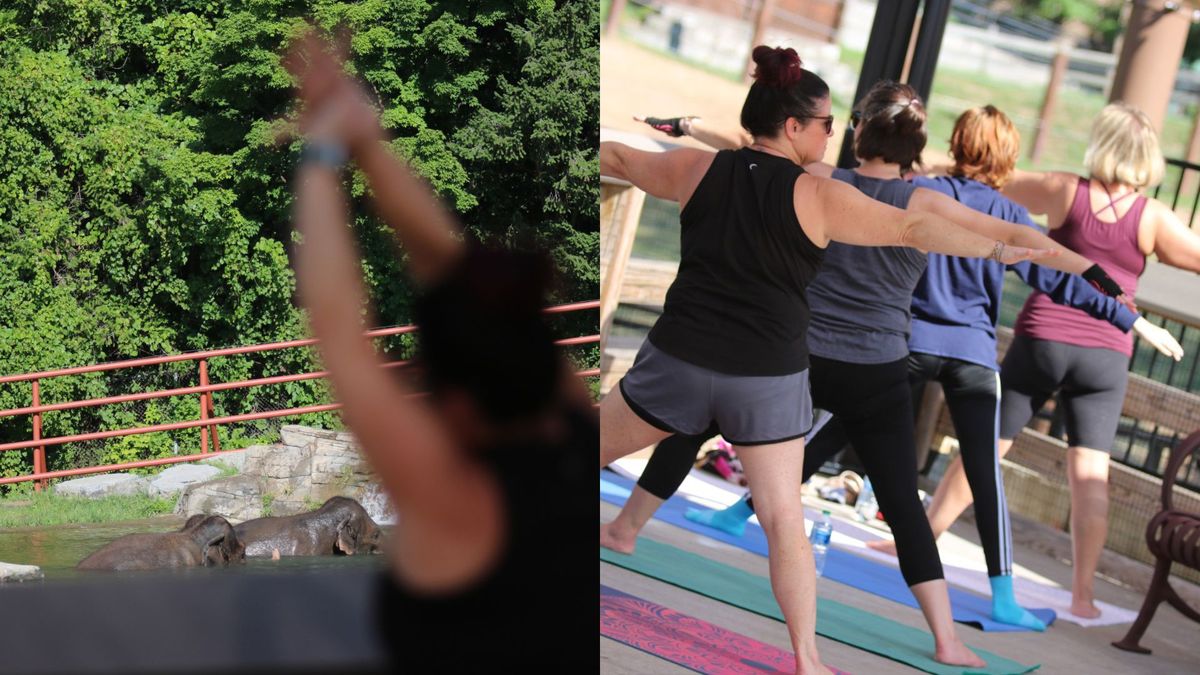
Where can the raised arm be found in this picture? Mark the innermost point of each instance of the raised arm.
(424, 228)
(400, 437)
(1047, 194)
(418, 462)
(830, 210)
(671, 175)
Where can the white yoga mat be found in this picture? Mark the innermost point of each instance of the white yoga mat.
(962, 560)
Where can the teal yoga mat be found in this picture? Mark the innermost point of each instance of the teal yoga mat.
(835, 621)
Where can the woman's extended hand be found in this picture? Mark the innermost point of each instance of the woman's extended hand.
(671, 126)
(1159, 338)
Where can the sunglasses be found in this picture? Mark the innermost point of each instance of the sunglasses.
(855, 118)
(827, 119)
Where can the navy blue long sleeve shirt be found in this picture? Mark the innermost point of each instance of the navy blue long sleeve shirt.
(957, 302)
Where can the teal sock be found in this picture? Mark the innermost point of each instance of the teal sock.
(1005, 608)
(731, 520)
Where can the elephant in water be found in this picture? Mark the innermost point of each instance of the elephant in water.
(341, 525)
(206, 541)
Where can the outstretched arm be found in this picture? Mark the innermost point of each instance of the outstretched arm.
(672, 175)
(924, 199)
(1174, 243)
(697, 128)
(1047, 194)
(720, 139)
(832, 210)
(1073, 291)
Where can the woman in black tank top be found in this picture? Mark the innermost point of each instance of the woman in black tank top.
(787, 113)
(506, 426)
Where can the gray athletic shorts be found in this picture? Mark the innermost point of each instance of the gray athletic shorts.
(682, 398)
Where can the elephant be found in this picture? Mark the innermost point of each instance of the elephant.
(204, 541)
(340, 525)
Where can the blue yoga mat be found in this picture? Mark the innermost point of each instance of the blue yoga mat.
(844, 568)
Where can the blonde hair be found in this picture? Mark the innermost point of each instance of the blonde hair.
(1124, 148)
(985, 146)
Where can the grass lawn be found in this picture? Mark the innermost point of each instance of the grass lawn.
(37, 509)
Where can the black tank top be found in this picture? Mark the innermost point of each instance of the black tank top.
(738, 305)
(536, 611)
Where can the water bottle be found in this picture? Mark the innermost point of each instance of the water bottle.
(866, 507)
(822, 530)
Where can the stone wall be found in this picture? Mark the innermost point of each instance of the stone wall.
(307, 467)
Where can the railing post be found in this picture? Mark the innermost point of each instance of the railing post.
(39, 453)
(204, 406)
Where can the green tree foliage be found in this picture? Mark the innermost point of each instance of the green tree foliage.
(145, 206)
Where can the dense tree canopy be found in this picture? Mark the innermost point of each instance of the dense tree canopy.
(144, 205)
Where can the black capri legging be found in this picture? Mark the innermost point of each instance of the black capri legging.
(1091, 382)
(973, 397)
(872, 406)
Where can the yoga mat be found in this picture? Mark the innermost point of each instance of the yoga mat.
(845, 568)
(966, 571)
(835, 621)
(685, 640)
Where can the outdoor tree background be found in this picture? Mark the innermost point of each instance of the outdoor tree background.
(145, 208)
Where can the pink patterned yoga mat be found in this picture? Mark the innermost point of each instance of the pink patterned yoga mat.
(687, 641)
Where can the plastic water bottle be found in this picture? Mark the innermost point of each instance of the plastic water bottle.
(866, 507)
(822, 530)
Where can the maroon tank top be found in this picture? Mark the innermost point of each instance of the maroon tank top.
(1115, 247)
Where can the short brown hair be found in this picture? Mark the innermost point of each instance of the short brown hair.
(892, 119)
(985, 146)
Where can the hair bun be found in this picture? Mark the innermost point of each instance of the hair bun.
(777, 66)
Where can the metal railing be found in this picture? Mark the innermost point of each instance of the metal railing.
(1188, 180)
(207, 422)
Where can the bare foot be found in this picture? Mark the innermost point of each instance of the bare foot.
(611, 538)
(811, 666)
(1084, 608)
(958, 654)
(887, 546)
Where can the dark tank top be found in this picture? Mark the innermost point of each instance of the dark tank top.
(536, 611)
(738, 305)
(862, 300)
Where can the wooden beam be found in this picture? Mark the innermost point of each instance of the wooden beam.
(620, 209)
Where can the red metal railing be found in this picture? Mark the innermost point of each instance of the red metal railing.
(208, 422)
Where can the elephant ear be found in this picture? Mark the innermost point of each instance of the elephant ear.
(216, 551)
(347, 536)
(219, 542)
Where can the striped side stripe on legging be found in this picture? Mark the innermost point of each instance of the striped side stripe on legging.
(1005, 526)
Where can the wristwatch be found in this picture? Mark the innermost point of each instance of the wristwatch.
(326, 153)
